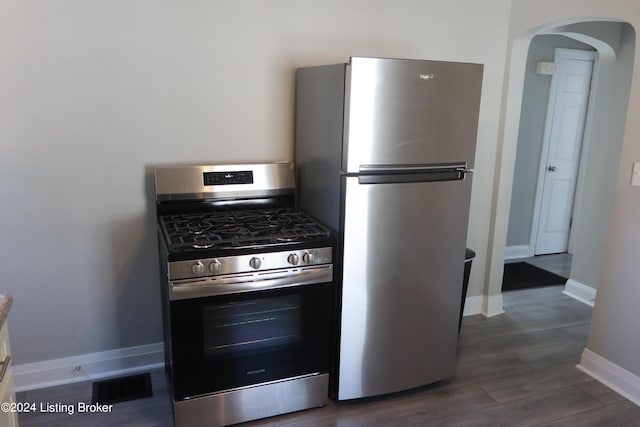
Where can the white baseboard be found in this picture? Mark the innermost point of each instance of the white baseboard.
(487, 306)
(580, 291)
(473, 305)
(514, 252)
(613, 376)
(29, 376)
(492, 305)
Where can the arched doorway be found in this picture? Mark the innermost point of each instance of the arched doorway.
(604, 139)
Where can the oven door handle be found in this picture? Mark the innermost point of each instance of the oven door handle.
(232, 284)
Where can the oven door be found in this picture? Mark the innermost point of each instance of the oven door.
(224, 342)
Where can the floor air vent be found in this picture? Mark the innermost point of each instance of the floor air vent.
(122, 389)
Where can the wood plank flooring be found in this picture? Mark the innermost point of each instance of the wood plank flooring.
(515, 369)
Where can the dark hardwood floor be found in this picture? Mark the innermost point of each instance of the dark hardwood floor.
(515, 369)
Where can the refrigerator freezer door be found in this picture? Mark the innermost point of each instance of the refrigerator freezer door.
(400, 111)
(404, 249)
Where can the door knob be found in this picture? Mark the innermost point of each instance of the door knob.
(551, 168)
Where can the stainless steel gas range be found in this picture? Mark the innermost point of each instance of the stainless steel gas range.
(247, 282)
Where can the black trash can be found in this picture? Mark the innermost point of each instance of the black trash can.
(468, 259)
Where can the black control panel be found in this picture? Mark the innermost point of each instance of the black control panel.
(225, 178)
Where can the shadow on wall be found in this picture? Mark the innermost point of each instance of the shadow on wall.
(134, 258)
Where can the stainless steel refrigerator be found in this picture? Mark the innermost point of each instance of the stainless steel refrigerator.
(383, 149)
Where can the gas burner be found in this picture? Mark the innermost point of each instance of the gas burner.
(287, 238)
(199, 226)
(202, 246)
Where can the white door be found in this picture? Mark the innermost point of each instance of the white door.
(568, 101)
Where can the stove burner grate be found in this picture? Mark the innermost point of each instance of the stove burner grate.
(238, 229)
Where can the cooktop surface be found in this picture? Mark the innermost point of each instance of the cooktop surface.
(239, 229)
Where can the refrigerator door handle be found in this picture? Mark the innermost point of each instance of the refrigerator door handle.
(416, 168)
(388, 174)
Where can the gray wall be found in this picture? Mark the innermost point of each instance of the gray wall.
(605, 140)
(96, 92)
(614, 332)
(531, 134)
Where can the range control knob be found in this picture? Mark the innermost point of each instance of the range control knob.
(255, 262)
(293, 258)
(307, 257)
(197, 268)
(215, 266)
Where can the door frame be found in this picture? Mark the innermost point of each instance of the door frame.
(564, 53)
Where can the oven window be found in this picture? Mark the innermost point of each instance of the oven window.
(223, 342)
(251, 326)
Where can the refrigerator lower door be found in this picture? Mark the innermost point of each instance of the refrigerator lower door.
(403, 263)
